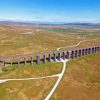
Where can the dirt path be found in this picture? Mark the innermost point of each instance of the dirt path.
(59, 79)
(76, 44)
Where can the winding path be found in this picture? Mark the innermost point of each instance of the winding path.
(23, 79)
(77, 44)
(59, 79)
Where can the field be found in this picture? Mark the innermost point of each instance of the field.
(81, 80)
(31, 89)
(25, 39)
(31, 71)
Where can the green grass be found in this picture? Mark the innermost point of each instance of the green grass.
(31, 71)
(9, 68)
(61, 30)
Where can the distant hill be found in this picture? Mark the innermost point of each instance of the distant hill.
(46, 24)
(84, 24)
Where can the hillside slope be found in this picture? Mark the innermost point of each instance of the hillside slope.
(81, 80)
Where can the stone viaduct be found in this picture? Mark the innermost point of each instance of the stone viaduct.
(48, 57)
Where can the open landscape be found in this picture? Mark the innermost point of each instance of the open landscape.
(49, 49)
(31, 39)
(82, 74)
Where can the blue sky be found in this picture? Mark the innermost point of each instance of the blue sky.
(50, 10)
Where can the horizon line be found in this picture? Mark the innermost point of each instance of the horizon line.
(59, 22)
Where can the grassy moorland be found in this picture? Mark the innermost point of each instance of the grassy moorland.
(25, 39)
(82, 77)
(26, 90)
(31, 89)
(81, 80)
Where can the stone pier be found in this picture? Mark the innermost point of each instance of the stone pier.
(63, 55)
(44, 58)
(18, 61)
(31, 60)
(38, 59)
(93, 50)
(83, 52)
(86, 51)
(59, 56)
(80, 53)
(72, 54)
(49, 58)
(76, 53)
(54, 56)
(68, 55)
(89, 52)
